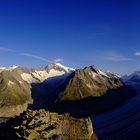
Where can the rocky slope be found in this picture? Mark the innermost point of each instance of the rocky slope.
(88, 82)
(15, 94)
(16, 84)
(42, 125)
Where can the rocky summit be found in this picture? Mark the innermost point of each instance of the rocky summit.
(43, 125)
(88, 82)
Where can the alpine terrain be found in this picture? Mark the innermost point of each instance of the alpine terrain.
(81, 93)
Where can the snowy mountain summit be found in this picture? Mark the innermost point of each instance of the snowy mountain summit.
(59, 67)
(38, 74)
(132, 77)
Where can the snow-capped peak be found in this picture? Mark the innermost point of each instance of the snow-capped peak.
(135, 75)
(8, 68)
(103, 73)
(2, 68)
(14, 67)
(67, 69)
(59, 67)
(52, 70)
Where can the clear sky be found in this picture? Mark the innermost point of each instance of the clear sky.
(104, 33)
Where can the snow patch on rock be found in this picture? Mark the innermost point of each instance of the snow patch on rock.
(8, 68)
(27, 77)
(54, 73)
(67, 69)
(103, 73)
(10, 83)
(41, 75)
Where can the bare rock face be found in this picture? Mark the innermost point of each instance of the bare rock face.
(16, 86)
(12, 111)
(43, 125)
(15, 94)
(88, 82)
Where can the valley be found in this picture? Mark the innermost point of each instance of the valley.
(122, 122)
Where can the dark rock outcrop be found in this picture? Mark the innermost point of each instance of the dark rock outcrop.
(42, 125)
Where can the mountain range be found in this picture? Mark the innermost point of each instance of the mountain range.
(55, 83)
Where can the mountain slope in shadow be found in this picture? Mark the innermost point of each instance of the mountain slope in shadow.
(95, 105)
(47, 98)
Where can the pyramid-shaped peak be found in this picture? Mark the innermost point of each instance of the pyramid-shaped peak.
(59, 67)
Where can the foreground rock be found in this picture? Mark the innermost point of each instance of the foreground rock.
(38, 125)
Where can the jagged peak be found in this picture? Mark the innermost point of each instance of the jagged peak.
(92, 68)
(9, 68)
(59, 66)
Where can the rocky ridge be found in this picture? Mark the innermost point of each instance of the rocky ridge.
(88, 82)
(16, 83)
(43, 125)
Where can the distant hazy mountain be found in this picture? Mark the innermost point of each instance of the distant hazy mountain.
(134, 77)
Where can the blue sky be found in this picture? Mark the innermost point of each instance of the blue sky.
(104, 33)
